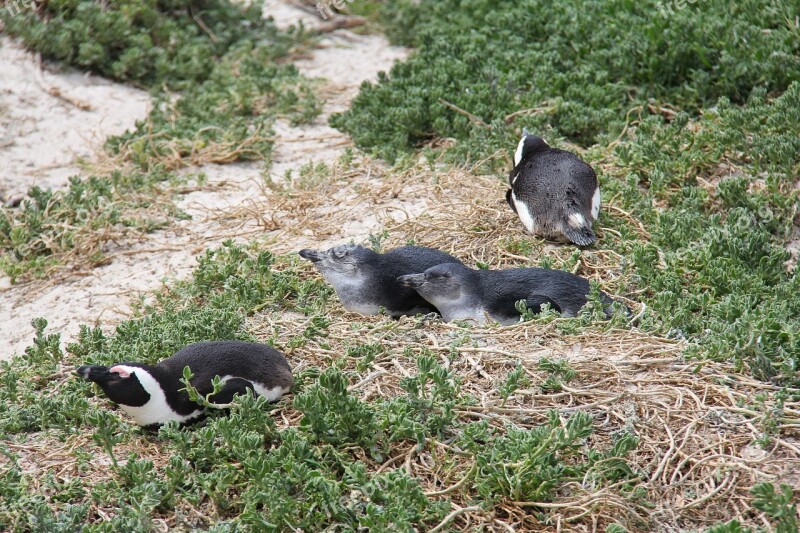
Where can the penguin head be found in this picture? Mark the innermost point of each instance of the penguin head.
(120, 382)
(527, 145)
(344, 259)
(440, 283)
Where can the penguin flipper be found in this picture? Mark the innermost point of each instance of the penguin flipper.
(507, 306)
(232, 387)
(582, 235)
(536, 301)
(510, 200)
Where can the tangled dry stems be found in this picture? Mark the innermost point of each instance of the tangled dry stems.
(697, 427)
(697, 459)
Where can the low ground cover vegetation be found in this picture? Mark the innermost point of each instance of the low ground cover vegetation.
(684, 415)
(392, 424)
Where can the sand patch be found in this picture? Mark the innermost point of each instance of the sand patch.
(50, 119)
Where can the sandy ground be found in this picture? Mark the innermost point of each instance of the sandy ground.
(49, 120)
(103, 297)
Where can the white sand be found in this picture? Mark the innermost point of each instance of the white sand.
(50, 119)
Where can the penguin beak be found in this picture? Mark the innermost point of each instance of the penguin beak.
(93, 373)
(412, 280)
(312, 255)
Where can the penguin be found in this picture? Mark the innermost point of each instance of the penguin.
(152, 395)
(464, 294)
(366, 281)
(554, 192)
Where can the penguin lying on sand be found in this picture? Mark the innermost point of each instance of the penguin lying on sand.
(554, 193)
(461, 293)
(366, 281)
(151, 395)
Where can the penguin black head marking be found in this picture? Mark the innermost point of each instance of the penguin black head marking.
(120, 383)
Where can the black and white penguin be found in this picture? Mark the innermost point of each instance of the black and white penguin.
(151, 395)
(464, 294)
(366, 281)
(554, 192)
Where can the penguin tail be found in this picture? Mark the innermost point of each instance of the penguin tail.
(580, 234)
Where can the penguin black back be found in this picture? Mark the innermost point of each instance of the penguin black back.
(554, 192)
(152, 395)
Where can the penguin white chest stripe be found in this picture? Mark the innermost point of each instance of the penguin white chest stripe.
(524, 213)
(596, 203)
(271, 395)
(518, 152)
(156, 410)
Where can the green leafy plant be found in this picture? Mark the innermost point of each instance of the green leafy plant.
(227, 117)
(149, 42)
(226, 60)
(515, 379)
(428, 409)
(332, 414)
(529, 465)
(573, 69)
(50, 226)
(778, 505)
(559, 372)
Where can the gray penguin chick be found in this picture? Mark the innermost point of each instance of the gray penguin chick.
(554, 192)
(465, 294)
(366, 281)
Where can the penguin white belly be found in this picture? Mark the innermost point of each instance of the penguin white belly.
(596, 203)
(477, 316)
(362, 308)
(525, 214)
(351, 291)
(156, 413)
(272, 395)
(459, 311)
(156, 410)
